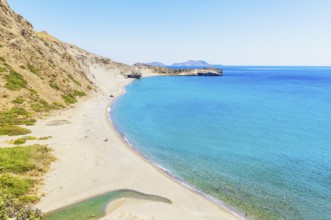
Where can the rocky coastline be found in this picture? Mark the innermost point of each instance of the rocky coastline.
(146, 69)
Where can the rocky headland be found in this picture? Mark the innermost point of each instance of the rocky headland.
(147, 70)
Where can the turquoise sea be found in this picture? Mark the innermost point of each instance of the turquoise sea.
(257, 139)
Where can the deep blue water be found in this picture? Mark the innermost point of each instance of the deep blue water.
(258, 138)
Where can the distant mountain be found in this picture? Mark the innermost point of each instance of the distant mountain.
(192, 63)
(156, 64)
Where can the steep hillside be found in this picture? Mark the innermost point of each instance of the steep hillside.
(40, 73)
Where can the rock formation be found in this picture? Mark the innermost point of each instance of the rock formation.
(148, 69)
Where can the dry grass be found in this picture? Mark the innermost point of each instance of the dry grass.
(30, 160)
(20, 171)
(20, 168)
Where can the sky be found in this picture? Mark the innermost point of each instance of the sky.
(228, 32)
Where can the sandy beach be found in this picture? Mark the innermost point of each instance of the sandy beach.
(92, 159)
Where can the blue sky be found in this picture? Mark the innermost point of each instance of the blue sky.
(229, 32)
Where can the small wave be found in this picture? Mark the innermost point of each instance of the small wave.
(168, 172)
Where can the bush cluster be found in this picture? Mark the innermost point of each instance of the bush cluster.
(15, 81)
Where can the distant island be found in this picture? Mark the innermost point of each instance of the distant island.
(156, 64)
(189, 63)
(192, 63)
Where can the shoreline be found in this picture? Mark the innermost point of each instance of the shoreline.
(93, 159)
(158, 167)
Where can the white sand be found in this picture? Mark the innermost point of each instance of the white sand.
(87, 165)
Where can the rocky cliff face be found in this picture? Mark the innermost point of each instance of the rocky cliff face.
(36, 67)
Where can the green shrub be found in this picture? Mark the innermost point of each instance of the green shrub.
(23, 140)
(2, 69)
(20, 141)
(30, 138)
(37, 107)
(69, 99)
(16, 160)
(33, 95)
(23, 67)
(43, 102)
(9, 67)
(20, 160)
(15, 81)
(17, 111)
(74, 80)
(34, 92)
(15, 186)
(16, 116)
(9, 120)
(54, 85)
(57, 106)
(89, 87)
(33, 69)
(30, 122)
(2, 59)
(28, 199)
(79, 93)
(5, 96)
(41, 106)
(18, 100)
(13, 130)
(44, 138)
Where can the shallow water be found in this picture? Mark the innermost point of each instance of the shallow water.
(95, 208)
(258, 138)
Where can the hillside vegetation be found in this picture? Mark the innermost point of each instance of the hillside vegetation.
(21, 169)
